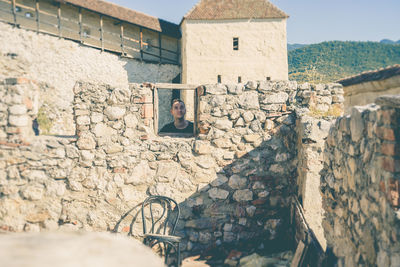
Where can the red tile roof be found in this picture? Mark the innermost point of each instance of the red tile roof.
(234, 9)
(370, 76)
(127, 15)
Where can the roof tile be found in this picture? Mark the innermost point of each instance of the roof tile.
(127, 15)
(234, 9)
(370, 76)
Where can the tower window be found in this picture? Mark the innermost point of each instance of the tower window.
(235, 43)
(219, 78)
(239, 79)
(268, 78)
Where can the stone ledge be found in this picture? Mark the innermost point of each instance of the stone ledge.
(389, 101)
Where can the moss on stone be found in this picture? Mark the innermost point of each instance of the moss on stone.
(334, 111)
(45, 124)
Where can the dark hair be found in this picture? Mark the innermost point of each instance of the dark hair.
(176, 100)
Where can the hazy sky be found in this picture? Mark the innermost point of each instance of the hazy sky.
(311, 21)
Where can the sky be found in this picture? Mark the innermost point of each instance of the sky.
(311, 21)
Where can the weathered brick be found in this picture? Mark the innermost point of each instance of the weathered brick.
(385, 133)
(119, 170)
(144, 137)
(390, 149)
(382, 187)
(260, 201)
(390, 164)
(147, 111)
(387, 116)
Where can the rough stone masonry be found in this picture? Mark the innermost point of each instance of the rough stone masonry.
(233, 181)
(360, 185)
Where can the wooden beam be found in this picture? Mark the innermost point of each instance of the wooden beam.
(155, 110)
(101, 33)
(164, 49)
(157, 56)
(13, 6)
(196, 111)
(37, 9)
(122, 39)
(141, 43)
(176, 86)
(131, 39)
(24, 6)
(159, 44)
(176, 135)
(80, 25)
(59, 19)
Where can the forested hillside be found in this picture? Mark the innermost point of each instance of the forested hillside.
(331, 61)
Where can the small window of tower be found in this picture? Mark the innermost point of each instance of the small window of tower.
(219, 78)
(235, 43)
(239, 79)
(268, 78)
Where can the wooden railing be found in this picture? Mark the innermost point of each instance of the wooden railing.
(91, 29)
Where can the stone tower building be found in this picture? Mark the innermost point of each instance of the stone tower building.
(232, 41)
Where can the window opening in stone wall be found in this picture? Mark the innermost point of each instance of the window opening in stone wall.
(268, 78)
(219, 79)
(175, 110)
(235, 43)
(239, 79)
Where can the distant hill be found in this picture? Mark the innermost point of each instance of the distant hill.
(291, 47)
(388, 41)
(331, 61)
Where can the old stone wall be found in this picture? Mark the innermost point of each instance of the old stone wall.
(18, 109)
(360, 185)
(320, 106)
(60, 63)
(232, 181)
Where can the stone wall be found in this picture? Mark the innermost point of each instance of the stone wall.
(360, 185)
(18, 109)
(61, 63)
(321, 105)
(233, 181)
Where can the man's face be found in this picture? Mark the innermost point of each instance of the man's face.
(178, 110)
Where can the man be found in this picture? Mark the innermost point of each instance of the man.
(179, 125)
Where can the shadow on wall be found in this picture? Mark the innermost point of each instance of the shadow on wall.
(246, 208)
(140, 72)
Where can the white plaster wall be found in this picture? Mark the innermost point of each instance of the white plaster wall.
(366, 93)
(207, 50)
(61, 63)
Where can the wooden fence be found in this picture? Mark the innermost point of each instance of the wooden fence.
(91, 29)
